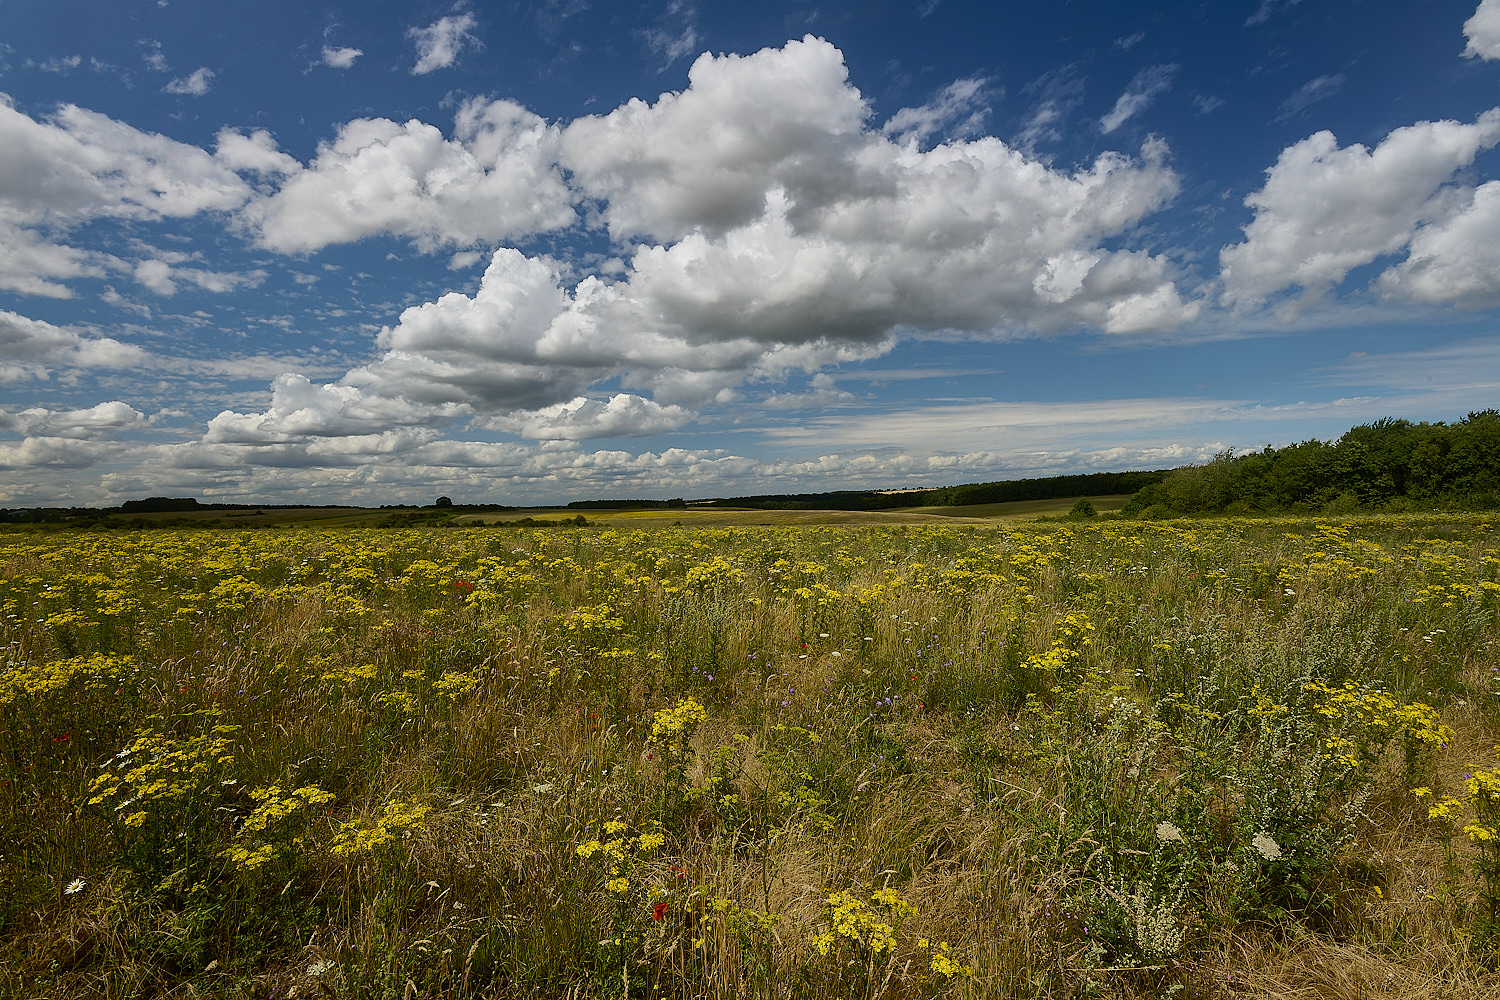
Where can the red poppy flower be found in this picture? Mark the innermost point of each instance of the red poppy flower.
(659, 911)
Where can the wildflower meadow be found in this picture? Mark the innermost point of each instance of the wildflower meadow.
(1066, 758)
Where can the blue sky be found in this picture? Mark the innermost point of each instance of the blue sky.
(526, 252)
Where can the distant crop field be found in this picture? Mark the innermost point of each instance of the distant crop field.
(722, 517)
(730, 517)
(1063, 759)
(1028, 508)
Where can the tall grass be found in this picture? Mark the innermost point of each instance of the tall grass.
(1059, 760)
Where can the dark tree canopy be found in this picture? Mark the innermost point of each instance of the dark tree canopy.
(1389, 463)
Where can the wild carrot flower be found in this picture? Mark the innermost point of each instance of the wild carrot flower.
(1265, 846)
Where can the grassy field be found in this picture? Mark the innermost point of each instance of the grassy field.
(280, 517)
(364, 517)
(716, 517)
(896, 755)
(1027, 508)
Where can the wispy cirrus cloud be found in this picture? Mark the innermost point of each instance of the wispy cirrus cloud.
(62, 65)
(195, 84)
(440, 43)
(958, 111)
(675, 35)
(1268, 9)
(1310, 93)
(341, 57)
(1139, 95)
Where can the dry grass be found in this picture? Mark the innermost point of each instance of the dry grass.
(1014, 801)
(1263, 966)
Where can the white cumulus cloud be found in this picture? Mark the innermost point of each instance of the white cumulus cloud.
(950, 239)
(1325, 210)
(497, 178)
(30, 348)
(77, 165)
(55, 453)
(622, 415)
(767, 227)
(705, 158)
(1482, 31)
(779, 214)
(486, 351)
(1454, 260)
(33, 265)
(253, 153)
(102, 421)
(1161, 308)
(301, 410)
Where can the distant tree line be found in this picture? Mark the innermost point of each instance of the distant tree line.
(1389, 464)
(427, 517)
(49, 515)
(1051, 488)
(1007, 491)
(160, 505)
(627, 504)
(128, 514)
(444, 510)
